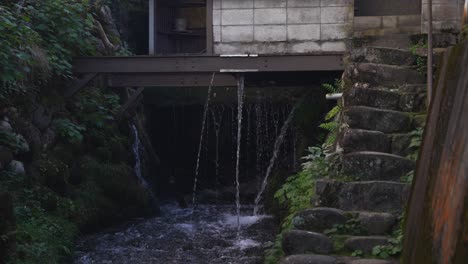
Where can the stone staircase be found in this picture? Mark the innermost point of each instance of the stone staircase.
(379, 112)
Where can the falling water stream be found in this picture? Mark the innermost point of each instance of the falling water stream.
(240, 106)
(205, 113)
(276, 149)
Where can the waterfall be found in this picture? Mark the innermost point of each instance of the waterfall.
(217, 127)
(136, 152)
(205, 112)
(240, 105)
(276, 148)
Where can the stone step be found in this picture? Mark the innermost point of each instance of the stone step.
(383, 74)
(301, 242)
(352, 140)
(322, 259)
(383, 55)
(369, 118)
(374, 196)
(362, 94)
(320, 219)
(365, 243)
(370, 165)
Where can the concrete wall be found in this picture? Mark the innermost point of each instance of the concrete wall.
(447, 15)
(281, 26)
(384, 25)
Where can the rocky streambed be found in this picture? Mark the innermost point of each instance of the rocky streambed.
(207, 235)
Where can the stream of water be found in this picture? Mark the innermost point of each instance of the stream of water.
(240, 107)
(208, 235)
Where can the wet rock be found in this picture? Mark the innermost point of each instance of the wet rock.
(376, 196)
(5, 126)
(383, 55)
(16, 167)
(371, 97)
(300, 242)
(353, 140)
(41, 117)
(368, 118)
(318, 219)
(383, 74)
(413, 102)
(369, 165)
(365, 243)
(48, 138)
(308, 259)
(376, 223)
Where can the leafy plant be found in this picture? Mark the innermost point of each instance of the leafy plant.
(421, 61)
(15, 142)
(351, 227)
(415, 143)
(69, 130)
(331, 124)
(394, 246)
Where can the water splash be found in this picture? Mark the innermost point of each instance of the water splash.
(136, 152)
(197, 168)
(279, 141)
(240, 105)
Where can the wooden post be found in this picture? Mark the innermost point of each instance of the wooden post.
(152, 32)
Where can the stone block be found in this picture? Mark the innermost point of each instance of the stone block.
(270, 33)
(376, 223)
(237, 33)
(216, 17)
(365, 244)
(303, 47)
(389, 21)
(318, 219)
(353, 140)
(301, 242)
(442, 12)
(336, 2)
(335, 15)
(217, 33)
(409, 20)
(269, 3)
(216, 4)
(335, 31)
(237, 17)
(304, 32)
(368, 118)
(229, 4)
(367, 22)
(270, 16)
(308, 259)
(303, 15)
(333, 46)
(303, 3)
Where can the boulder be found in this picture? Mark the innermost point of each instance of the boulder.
(372, 97)
(308, 259)
(369, 165)
(353, 140)
(383, 74)
(365, 243)
(368, 118)
(383, 55)
(41, 117)
(376, 196)
(376, 223)
(16, 167)
(6, 156)
(400, 144)
(318, 219)
(5, 126)
(301, 242)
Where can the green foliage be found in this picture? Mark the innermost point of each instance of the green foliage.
(336, 87)
(421, 61)
(69, 130)
(274, 251)
(394, 247)
(96, 109)
(408, 178)
(415, 144)
(331, 124)
(39, 39)
(351, 227)
(15, 142)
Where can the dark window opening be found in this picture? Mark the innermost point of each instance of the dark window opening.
(181, 27)
(387, 7)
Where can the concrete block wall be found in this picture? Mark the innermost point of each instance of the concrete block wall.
(447, 15)
(384, 25)
(281, 26)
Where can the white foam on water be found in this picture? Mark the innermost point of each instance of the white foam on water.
(186, 228)
(245, 220)
(246, 243)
